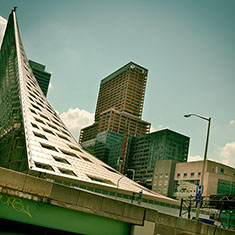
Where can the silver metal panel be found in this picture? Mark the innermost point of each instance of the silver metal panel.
(51, 148)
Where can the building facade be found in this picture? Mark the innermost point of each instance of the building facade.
(219, 179)
(160, 145)
(123, 91)
(180, 179)
(43, 77)
(106, 146)
(118, 112)
(163, 177)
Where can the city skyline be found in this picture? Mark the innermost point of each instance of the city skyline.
(188, 48)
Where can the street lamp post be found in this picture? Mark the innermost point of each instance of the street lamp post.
(119, 180)
(205, 156)
(118, 184)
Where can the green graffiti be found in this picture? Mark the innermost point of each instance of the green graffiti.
(16, 203)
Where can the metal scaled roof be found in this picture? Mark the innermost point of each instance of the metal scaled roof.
(51, 150)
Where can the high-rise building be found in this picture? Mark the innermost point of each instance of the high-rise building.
(144, 150)
(118, 111)
(105, 144)
(120, 104)
(123, 91)
(33, 138)
(43, 77)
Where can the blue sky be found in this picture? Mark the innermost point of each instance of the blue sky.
(187, 46)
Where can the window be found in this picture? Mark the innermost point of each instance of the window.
(221, 171)
(63, 137)
(65, 133)
(62, 160)
(166, 175)
(33, 111)
(34, 125)
(43, 116)
(69, 153)
(43, 166)
(106, 181)
(225, 187)
(39, 104)
(48, 131)
(33, 95)
(87, 159)
(46, 146)
(112, 170)
(52, 126)
(74, 148)
(67, 172)
(39, 120)
(36, 107)
(185, 175)
(199, 174)
(192, 174)
(40, 135)
(178, 175)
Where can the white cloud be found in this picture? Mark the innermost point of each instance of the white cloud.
(3, 23)
(228, 154)
(159, 127)
(232, 122)
(76, 119)
(194, 158)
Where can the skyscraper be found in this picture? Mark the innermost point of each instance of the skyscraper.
(33, 138)
(123, 91)
(144, 150)
(43, 77)
(119, 108)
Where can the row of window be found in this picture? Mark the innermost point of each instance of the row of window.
(70, 172)
(193, 174)
(185, 175)
(161, 175)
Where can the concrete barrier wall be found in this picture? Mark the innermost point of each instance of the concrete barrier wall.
(161, 224)
(143, 220)
(36, 189)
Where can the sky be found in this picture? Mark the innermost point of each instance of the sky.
(188, 47)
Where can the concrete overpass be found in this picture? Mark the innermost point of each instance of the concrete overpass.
(46, 205)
